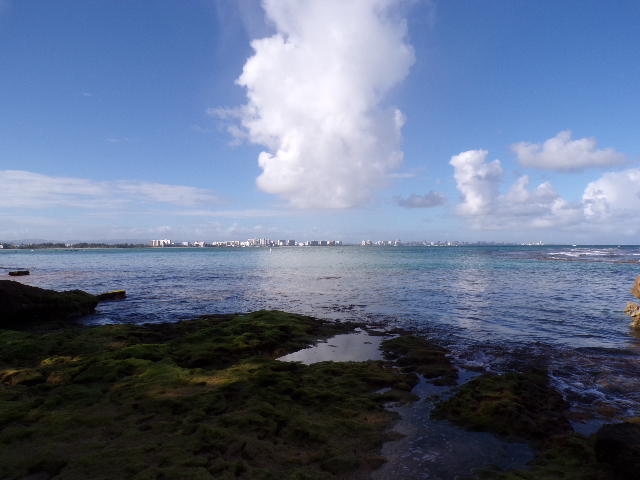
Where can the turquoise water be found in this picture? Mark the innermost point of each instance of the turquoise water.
(496, 307)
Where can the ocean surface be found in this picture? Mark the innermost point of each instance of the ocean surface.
(497, 308)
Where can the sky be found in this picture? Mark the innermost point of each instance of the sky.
(418, 120)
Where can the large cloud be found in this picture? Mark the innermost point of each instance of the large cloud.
(609, 204)
(560, 153)
(20, 189)
(314, 91)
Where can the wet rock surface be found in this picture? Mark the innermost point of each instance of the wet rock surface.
(517, 405)
(23, 304)
(618, 445)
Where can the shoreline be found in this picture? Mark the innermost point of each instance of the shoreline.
(151, 369)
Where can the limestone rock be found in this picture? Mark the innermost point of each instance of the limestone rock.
(619, 445)
(23, 303)
(633, 310)
(635, 290)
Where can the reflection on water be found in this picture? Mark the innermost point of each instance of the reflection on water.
(350, 347)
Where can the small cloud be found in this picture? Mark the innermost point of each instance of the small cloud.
(431, 199)
(120, 140)
(560, 153)
(86, 94)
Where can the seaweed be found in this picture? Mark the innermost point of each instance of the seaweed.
(195, 399)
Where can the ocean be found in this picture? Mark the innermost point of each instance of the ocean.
(496, 307)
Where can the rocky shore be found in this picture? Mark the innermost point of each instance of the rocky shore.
(207, 399)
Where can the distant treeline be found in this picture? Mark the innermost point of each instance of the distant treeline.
(34, 246)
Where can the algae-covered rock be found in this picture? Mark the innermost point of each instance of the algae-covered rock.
(419, 355)
(19, 273)
(23, 303)
(519, 405)
(201, 399)
(619, 446)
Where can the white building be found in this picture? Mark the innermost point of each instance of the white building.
(160, 243)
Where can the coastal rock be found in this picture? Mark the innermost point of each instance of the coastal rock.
(113, 295)
(633, 310)
(517, 405)
(19, 273)
(23, 303)
(635, 290)
(619, 445)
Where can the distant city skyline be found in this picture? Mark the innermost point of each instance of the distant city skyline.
(471, 121)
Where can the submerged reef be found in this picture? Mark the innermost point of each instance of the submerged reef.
(195, 399)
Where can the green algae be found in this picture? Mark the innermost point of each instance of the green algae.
(419, 355)
(513, 405)
(199, 399)
(524, 407)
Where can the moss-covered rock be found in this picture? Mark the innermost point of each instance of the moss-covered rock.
(516, 405)
(20, 304)
(419, 355)
(199, 400)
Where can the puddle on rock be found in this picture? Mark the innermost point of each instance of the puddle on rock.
(437, 450)
(349, 347)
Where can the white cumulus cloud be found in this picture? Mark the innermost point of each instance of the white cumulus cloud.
(609, 205)
(560, 153)
(477, 181)
(314, 93)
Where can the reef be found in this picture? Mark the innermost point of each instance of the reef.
(524, 407)
(196, 399)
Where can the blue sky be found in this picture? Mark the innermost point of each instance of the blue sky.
(320, 119)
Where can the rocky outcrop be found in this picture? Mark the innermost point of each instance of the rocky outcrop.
(635, 290)
(633, 309)
(19, 273)
(517, 405)
(23, 303)
(618, 445)
(114, 295)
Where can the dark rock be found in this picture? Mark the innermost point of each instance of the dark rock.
(619, 445)
(23, 303)
(520, 405)
(635, 290)
(114, 295)
(19, 273)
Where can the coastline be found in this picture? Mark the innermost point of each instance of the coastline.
(207, 398)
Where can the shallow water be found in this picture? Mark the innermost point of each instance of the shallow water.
(349, 347)
(497, 308)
